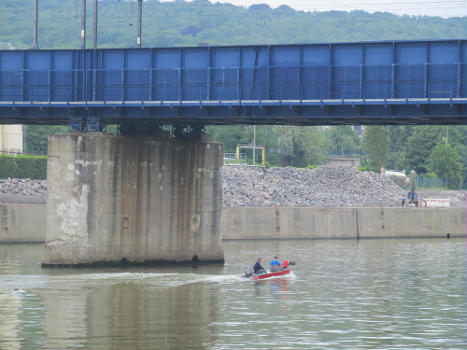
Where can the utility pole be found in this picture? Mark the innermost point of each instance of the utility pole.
(140, 20)
(36, 24)
(83, 25)
(254, 144)
(96, 5)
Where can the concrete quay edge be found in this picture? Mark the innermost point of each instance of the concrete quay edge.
(26, 223)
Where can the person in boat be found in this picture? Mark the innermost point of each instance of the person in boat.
(258, 269)
(275, 264)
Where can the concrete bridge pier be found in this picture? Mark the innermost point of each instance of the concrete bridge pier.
(121, 200)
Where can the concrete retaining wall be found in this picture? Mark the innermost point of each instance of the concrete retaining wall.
(27, 223)
(22, 223)
(289, 223)
(407, 222)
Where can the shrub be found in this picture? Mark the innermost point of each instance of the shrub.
(23, 166)
(375, 169)
(8, 166)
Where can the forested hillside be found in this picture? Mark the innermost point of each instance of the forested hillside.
(181, 23)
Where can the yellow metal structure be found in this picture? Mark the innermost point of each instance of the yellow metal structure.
(262, 148)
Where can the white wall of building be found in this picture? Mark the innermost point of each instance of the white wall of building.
(11, 138)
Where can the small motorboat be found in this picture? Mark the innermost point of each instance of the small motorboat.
(285, 270)
(261, 276)
(268, 274)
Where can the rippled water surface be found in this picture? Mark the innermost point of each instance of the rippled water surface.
(374, 294)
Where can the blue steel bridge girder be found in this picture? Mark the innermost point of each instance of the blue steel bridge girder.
(287, 114)
(390, 82)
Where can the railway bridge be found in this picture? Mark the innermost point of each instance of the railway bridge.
(147, 196)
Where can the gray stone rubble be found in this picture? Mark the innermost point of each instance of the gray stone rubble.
(324, 186)
(23, 187)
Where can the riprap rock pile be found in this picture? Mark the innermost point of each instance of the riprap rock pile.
(23, 187)
(324, 186)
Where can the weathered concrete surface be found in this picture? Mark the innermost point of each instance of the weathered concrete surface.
(402, 222)
(118, 199)
(287, 223)
(283, 222)
(26, 223)
(22, 223)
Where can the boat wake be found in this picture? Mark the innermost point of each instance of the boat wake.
(137, 278)
(96, 280)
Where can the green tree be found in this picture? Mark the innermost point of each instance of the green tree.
(457, 137)
(232, 135)
(462, 151)
(445, 162)
(397, 152)
(36, 137)
(420, 144)
(396, 160)
(342, 139)
(309, 146)
(375, 144)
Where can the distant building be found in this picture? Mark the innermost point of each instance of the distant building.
(11, 138)
(345, 161)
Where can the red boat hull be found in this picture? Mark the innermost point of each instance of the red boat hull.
(271, 274)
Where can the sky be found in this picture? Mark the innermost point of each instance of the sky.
(446, 8)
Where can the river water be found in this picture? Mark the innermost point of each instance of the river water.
(371, 294)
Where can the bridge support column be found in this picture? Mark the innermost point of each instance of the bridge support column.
(132, 200)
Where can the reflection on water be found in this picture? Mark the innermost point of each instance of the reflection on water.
(391, 294)
(9, 322)
(111, 311)
(125, 315)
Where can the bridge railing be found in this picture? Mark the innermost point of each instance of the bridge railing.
(213, 84)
